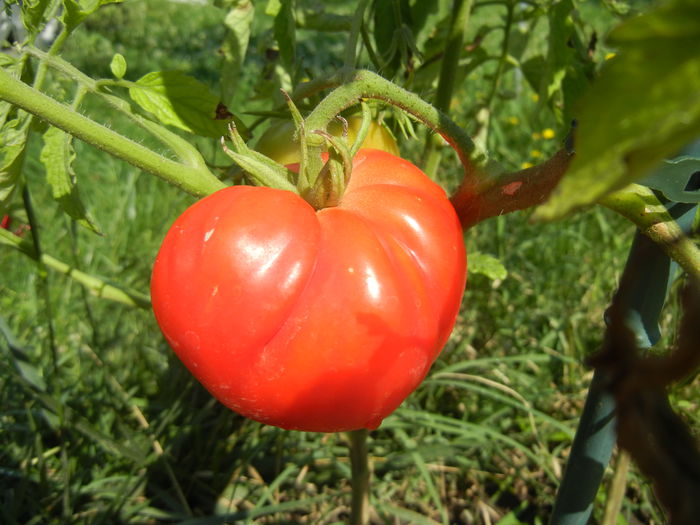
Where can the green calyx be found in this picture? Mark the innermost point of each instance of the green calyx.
(325, 161)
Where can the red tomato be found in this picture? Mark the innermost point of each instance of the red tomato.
(314, 320)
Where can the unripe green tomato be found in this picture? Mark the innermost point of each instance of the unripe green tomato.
(278, 144)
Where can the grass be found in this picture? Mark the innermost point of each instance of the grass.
(100, 424)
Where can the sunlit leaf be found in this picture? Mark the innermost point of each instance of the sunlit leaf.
(179, 100)
(75, 11)
(118, 65)
(34, 14)
(642, 108)
(487, 265)
(57, 156)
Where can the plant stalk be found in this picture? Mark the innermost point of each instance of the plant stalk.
(194, 181)
(359, 461)
(640, 205)
(353, 86)
(461, 10)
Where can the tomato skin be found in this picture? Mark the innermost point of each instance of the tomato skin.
(278, 144)
(314, 320)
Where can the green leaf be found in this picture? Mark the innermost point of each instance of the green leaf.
(57, 156)
(674, 176)
(118, 65)
(559, 54)
(487, 265)
(425, 17)
(34, 15)
(13, 141)
(642, 108)
(238, 22)
(285, 34)
(179, 100)
(75, 11)
(273, 7)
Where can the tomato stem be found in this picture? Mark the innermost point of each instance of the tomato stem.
(354, 85)
(640, 205)
(194, 179)
(511, 191)
(359, 461)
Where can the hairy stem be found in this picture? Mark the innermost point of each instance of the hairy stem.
(353, 86)
(513, 191)
(640, 205)
(194, 181)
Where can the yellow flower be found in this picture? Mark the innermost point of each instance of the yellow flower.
(513, 120)
(526, 165)
(536, 135)
(548, 133)
(608, 56)
(535, 154)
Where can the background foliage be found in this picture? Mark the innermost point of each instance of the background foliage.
(101, 424)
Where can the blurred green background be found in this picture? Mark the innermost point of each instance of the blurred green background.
(99, 423)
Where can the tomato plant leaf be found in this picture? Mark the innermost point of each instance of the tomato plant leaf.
(34, 15)
(285, 34)
(13, 137)
(179, 100)
(487, 265)
(57, 156)
(238, 22)
(118, 65)
(426, 16)
(642, 108)
(75, 11)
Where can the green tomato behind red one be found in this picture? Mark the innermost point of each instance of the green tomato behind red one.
(314, 320)
(278, 144)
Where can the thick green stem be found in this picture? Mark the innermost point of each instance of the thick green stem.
(640, 205)
(514, 191)
(192, 180)
(353, 86)
(359, 461)
(185, 151)
(461, 10)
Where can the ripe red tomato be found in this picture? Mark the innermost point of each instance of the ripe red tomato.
(314, 320)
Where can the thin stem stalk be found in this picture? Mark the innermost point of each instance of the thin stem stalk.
(359, 461)
(449, 66)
